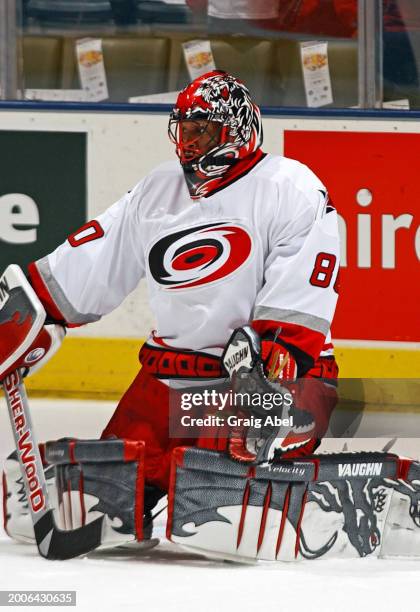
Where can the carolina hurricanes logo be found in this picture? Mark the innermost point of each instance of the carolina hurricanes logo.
(199, 255)
(34, 355)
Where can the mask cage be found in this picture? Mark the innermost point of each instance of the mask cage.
(188, 149)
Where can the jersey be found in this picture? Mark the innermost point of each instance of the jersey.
(243, 9)
(263, 249)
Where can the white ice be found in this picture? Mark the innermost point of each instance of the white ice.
(170, 579)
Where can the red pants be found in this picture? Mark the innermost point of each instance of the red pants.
(143, 414)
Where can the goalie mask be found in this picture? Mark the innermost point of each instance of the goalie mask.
(217, 131)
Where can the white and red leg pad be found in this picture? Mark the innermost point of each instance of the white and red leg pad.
(327, 506)
(92, 478)
(17, 521)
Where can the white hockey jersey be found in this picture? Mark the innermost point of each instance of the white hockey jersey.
(264, 249)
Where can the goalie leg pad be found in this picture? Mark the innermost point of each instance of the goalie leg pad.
(100, 477)
(326, 506)
(17, 520)
(86, 479)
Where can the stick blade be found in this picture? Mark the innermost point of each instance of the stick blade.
(57, 544)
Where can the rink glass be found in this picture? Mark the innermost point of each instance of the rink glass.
(370, 53)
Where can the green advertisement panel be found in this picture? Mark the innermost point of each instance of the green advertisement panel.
(42, 192)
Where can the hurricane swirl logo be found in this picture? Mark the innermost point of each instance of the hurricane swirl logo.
(34, 355)
(199, 255)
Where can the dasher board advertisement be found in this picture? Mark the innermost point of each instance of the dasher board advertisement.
(42, 192)
(373, 181)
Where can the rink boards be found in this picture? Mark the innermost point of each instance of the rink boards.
(376, 330)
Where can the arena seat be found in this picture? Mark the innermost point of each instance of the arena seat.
(141, 65)
(42, 62)
(288, 77)
(249, 59)
(343, 59)
(134, 66)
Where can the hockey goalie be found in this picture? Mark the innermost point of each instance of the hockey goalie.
(240, 252)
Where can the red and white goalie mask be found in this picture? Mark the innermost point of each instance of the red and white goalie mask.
(214, 126)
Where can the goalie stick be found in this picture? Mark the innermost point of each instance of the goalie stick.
(18, 302)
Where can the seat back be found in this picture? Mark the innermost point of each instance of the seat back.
(42, 62)
(249, 59)
(343, 65)
(134, 66)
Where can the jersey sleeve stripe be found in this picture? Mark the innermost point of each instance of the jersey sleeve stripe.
(311, 322)
(44, 295)
(55, 299)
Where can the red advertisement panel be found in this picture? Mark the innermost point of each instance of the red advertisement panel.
(374, 182)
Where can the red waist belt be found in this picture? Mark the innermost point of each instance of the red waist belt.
(171, 363)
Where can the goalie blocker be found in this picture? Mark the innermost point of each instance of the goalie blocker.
(326, 506)
(26, 342)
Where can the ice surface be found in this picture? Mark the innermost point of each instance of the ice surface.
(168, 578)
